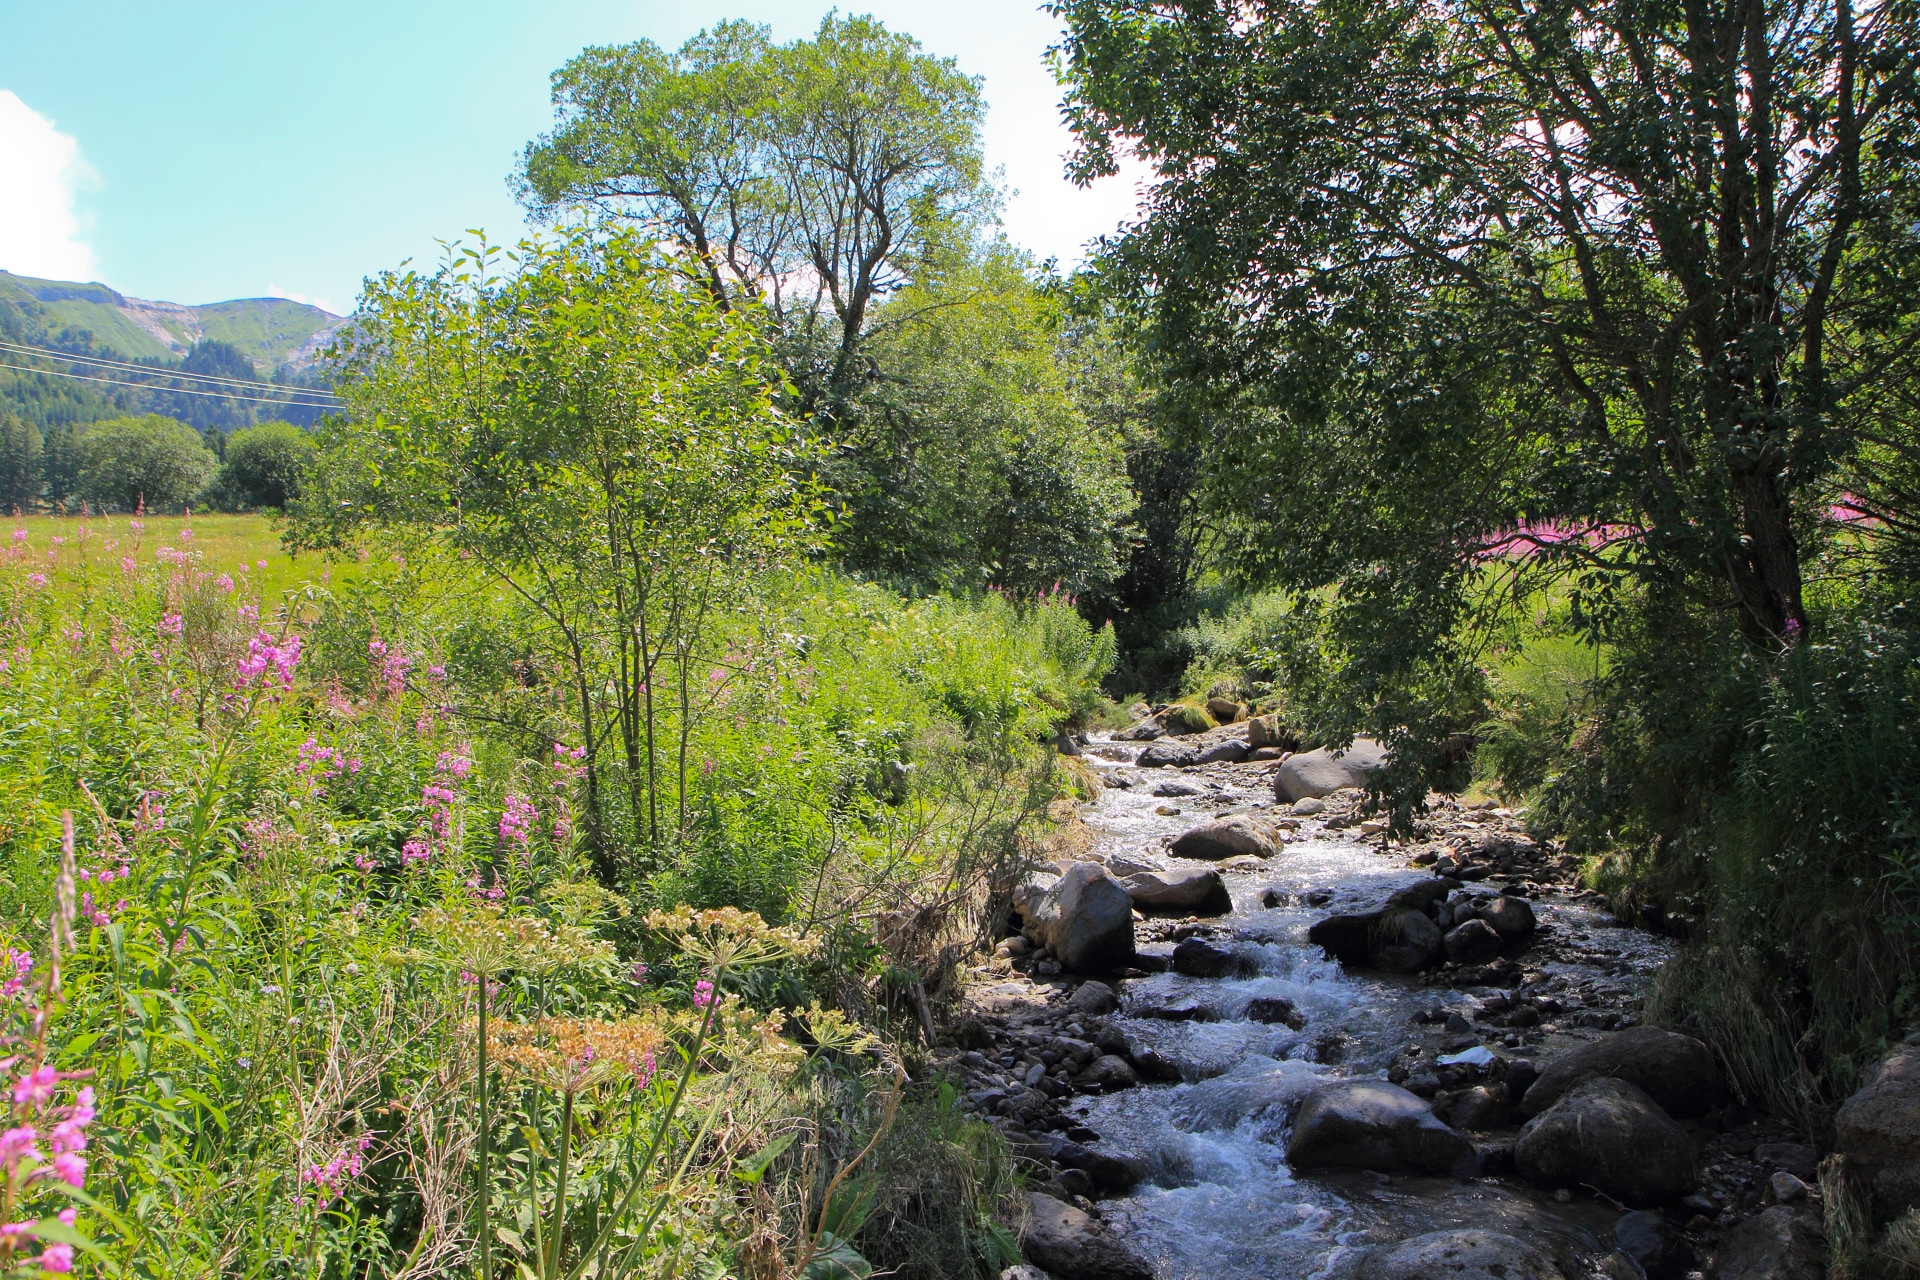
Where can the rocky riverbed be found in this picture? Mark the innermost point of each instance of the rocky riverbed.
(1328, 1054)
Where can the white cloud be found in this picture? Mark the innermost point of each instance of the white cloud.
(41, 174)
(292, 295)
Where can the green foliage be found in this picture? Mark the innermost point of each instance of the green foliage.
(812, 178)
(20, 452)
(970, 462)
(150, 461)
(1542, 696)
(263, 467)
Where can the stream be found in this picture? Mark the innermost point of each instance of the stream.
(1219, 1201)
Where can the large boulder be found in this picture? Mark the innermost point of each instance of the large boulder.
(1189, 891)
(1164, 754)
(1322, 772)
(1085, 917)
(1071, 1245)
(1511, 917)
(1369, 1124)
(1474, 942)
(1460, 1255)
(1677, 1071)
(1225, 710)
(1227, 750)
(1655, 1245)
(1226, 838)
(1267, 731)
(1782, 1243)
(1203, 958)
(1609, 1135)
(1878, 1130)
(1397, 939)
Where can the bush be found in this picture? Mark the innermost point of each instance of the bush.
(265, 467)
(147, 461)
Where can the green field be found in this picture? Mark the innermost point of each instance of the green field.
(70, 545)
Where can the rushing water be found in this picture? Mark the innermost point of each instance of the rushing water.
(1220, 1202)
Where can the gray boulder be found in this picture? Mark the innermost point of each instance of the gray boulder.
(1226, 838)
(1225, 710)
(1108, 1071)
(1398, 938)
(1878, 1131)
(1322, 772)
(1511, 917)
(1093, 999)
(1656, 1248)
(1196, 891)
(1085, 917)
(1072, 1246)
(1202, 958)
(1474, 942)
(1460, 1255)
(1167, 754)
(1369, 1124)
(1781, 1243)
(1677, 1071)
(1267, 731)
(1609, 1135)
(1273, 1010)
(1228, 750)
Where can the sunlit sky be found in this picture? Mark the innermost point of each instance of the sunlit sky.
(199, 150)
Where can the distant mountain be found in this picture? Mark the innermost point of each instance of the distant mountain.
(272, 332)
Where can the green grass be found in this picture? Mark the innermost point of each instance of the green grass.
(225, 543)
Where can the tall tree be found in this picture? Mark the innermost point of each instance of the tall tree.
(1465, 264)
(812, 178)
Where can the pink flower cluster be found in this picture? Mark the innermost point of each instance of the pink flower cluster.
(21, 963)
(270, 661)
(324, 762)
(330, 1179)
(517, 820)
(171, 624)
(702, 994)
(489, 892)
(26, 1163)
(394, 666)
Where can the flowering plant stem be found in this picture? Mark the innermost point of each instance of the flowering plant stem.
(486, 1138)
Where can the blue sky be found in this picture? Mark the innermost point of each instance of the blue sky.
(198, 150)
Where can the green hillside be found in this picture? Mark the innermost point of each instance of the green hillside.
(269, 331)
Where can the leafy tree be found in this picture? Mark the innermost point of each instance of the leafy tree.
(601, 441)
(811, 178)
(1452, 268)
(264, 466)
(150, 460)
(20, 446)
(969, 462)
(61, 455)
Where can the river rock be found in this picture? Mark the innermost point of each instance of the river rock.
(1781, 1243)
(1273, 1010)
(1182, 1009)
(1878, 1131)
(1397, 938)
(1322, 772)
(1608, 1134)
(1677, 1071)
(1511, 917)
(1225, 710)
(1085, 917)
(1226, 838)
(1111, 1172)
(1369, 1124)
(1656, 1248)
(1093, 999)
(1267, 731)
(1477, 1108)
(1474, 942)
(1227, 750)
(1072, 1246)
(1164, 754)
(1108, 1071)
(1145, 729)
(1204, 958)
(1460, 1255)
(1197, 891)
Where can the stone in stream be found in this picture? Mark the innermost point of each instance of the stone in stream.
(1474, 942)
(1677, 1071)
(1226, 838)
(1656, 1248)
(1460, 1255)
(1275, 1009)
(1164, 754)
(1609, 1135)
(1185, 1009)
(1781, 1243)
(1511, 917)
(1397, 938)
(1187, 891)
(1107, 1072)
(1369, 1124)
(1878, 1131)
(1225, 710)
(1111, 1172)
(1227, 750)
(1308, 807)
(1201, 958)
(1071, 1245)
(1322, 772)
(1085, 918)
(1268, 732)
(1093, 999)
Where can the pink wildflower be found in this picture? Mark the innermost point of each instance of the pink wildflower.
(702, 994)
(19, 536)
(171, 624)
(35, 1089)
(517, 820)
(70, 1169)
(57, 1258)
(37, 579)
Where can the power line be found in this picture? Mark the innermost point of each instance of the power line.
(175, 391)
(147, 369)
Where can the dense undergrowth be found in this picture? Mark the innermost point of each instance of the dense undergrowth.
(311, 827)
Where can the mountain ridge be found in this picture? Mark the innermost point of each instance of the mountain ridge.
(275, 333)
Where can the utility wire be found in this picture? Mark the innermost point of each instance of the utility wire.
(175, 391)
(153, 371)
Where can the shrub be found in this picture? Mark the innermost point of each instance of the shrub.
(150, 460)
(265, 466)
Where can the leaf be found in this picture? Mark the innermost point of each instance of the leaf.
(835, 1259)
(754, 1167)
